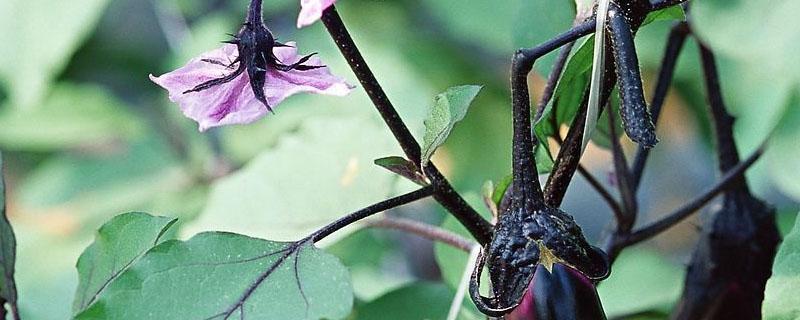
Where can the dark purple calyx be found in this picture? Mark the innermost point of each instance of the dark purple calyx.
(255, 44)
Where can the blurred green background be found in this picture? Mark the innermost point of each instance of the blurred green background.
(87, 136)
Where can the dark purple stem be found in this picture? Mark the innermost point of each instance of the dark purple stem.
(730, 177)
(368, 211)
(254, 12)
(443, 191)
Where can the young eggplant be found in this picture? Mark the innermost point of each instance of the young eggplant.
(733, 259)
(530, 234)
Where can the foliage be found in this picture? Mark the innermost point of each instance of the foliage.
(780, 300)
(211, 275)
(449, 108)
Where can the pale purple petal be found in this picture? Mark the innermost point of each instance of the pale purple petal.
(234, 102)
(311, 11)
(282, 84)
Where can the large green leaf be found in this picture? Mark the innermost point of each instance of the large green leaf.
(535, 22)
(217, 275)
(418, 301)
(117, 246)
(780, 299)
(448, 108)
(38, 38)
(657, 284)
(760, 33)
(311, 178)
(71, 116)
(500, 27)
(783, 151)
(87, 187)
(8, 252)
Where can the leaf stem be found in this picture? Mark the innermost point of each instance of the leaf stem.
(443, 191)
(368, 211)
(423, 230)
(723, 121)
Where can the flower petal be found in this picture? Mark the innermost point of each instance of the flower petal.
(311, 11)
(281, 84)
(234, 102)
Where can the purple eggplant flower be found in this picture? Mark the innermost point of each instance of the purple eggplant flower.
(240, 82)
(311, 11)
(563, 293)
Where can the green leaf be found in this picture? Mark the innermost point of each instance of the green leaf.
(38, 38)
(404, 168)
(8, 252)
(780, 298)
(672, 13)
(448, 108)
(88, 187)
(763, 34)
(415, 301)
(501, 188)
(544, 158)
(311, 178)
(782, 154)
(569, 91)
(657, 284)
(418, 301)
(535, 22)
(117, 245)
(71, 116)
(497, 27)
(217, 275)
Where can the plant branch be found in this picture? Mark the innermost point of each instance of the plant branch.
(423, 230)
(602, 191)
(443, 191)
(598, 187)
(368, 211)
(686, 210)
(723, 121)
(675, 42)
